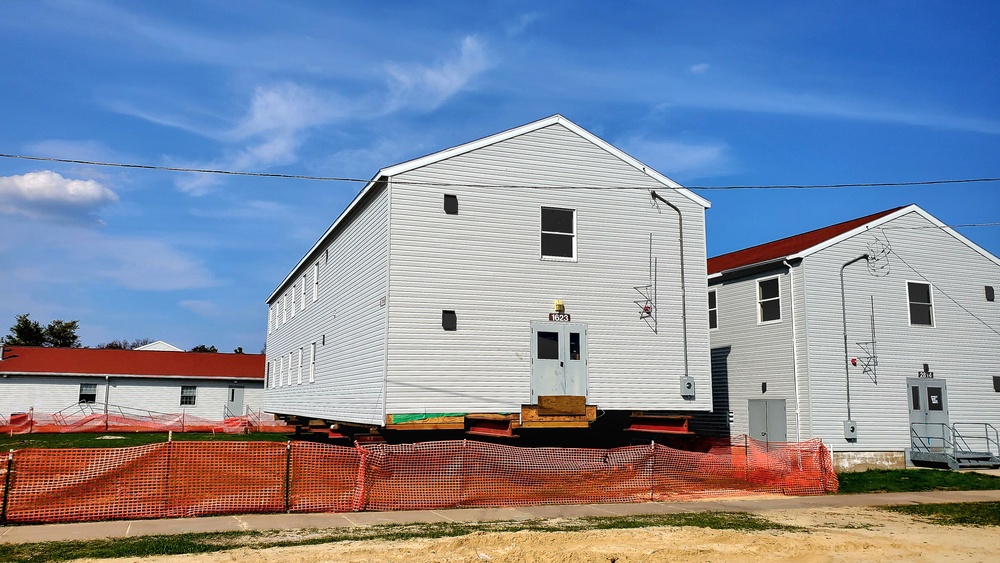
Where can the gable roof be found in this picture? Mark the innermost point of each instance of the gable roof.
(130, 363)
(802, 245)
(432, 158)
(788, 246)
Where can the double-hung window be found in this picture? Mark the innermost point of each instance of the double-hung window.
(558, 234)
(316, 281)
(768, 300)
(88, 393)
(189, 394)
(713, 310)
(921, 306)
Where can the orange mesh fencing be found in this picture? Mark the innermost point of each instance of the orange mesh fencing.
(31, 423)
(195, 478)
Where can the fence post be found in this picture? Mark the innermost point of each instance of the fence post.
(165, 509)
(6, 487)
(31, 420)
(288, 477)
(746, 458)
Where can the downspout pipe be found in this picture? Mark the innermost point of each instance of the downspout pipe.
(843, 311)
(795, 354)
(680, 228)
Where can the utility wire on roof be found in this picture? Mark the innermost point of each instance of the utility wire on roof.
(529, 186)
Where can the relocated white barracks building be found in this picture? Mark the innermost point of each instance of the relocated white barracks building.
(526, 279)
(917, 365)
(71, 381)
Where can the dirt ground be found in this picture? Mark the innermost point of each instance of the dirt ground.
(836, 534)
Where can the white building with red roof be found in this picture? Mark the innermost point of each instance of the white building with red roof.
(880, 335)
(76, 381)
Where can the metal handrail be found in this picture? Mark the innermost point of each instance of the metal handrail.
(990, 436)
(946, 437)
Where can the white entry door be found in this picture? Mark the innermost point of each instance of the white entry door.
(558, 359)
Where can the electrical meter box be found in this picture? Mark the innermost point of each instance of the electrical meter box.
(687, 387)
(850, 431)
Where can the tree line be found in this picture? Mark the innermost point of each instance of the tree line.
(62, 334)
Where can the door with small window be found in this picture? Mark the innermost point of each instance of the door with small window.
(558, 359)
(929, 419)
(234, 403)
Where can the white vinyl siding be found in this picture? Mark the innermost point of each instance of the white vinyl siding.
(49, 394)
(483, 263)
(347, 325)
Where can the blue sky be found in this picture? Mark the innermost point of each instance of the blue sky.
(708, 93)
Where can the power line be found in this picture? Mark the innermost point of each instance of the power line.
(528, 186)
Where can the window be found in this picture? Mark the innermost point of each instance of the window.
(300, 367)
(284, 308)
(574, 345)
(558, 233)
(990, 294)
(281, 371)
(312, 363)
(713, 311)
(189, 394)
(921, 309)
(270, 319)
(316, 281)
(302, 304)
(768, 300)
(289, 368)
(547, 345)
(449, 320)
(451, 204)
(292, 291)
(88, 392)
(267, 375)
(915, 398)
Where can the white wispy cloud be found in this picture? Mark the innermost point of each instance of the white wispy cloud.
(676, 158)
(522, 23)
(427, 87)
(201, 308)
(47, 194)
(700, 68)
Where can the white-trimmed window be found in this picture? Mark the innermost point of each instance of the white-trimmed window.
(292, 291)
(713, 310)
(768, 300)
(270, 318)
(921, 303)
(290, 368)
(284, 308)
(312, 363)
(268, 379)
(88, 393)
(302, 304)
(281, 371)
(300, 367)
(189, 395)
(558, 240)
(316, 281)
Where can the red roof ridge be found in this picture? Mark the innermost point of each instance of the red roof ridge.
(143, 363)
(788, 246)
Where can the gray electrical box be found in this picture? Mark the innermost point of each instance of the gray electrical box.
(851, 431)
(687, 387)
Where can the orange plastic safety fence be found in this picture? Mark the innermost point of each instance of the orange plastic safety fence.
(31, 423)
(196, 478)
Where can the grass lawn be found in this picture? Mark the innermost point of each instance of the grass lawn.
(97, 440)
(962, 513)
(145, 546)
(914, 480)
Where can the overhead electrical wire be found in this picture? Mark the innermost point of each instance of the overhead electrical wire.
(527, 186)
